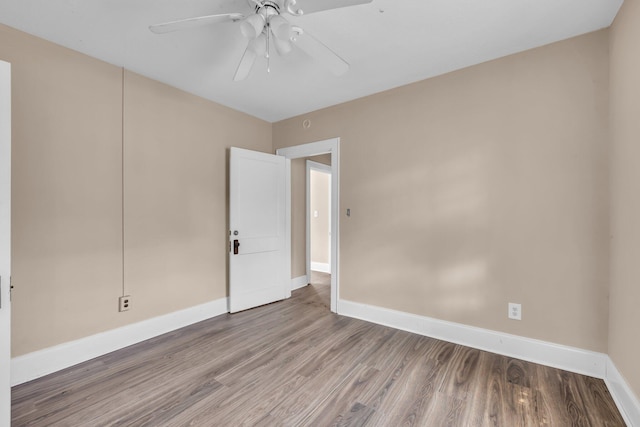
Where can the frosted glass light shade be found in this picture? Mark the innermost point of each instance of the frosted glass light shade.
(252, 26)
(282, 46)
(280, 28)
(259, 45)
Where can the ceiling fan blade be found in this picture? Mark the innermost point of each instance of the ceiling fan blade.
(312, 6)
(183, 24)
(246, 63)
(320, 52)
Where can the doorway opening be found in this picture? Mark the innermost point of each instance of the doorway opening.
(318, 222)
(331, 147)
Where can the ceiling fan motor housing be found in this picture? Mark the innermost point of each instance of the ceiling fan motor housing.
(268, 7)
(277, 6)
(267, 17)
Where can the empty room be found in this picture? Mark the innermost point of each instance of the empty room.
(319, 212)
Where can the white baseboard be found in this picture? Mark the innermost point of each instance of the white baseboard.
(322, 267)
(299, 282)
(627, 401)
(43, 362)
(545, 353)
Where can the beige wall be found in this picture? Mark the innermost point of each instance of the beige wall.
(175, 194)
(320, 226)
(68, 193)
(624, 345)
(481, 187)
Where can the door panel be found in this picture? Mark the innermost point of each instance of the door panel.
(5, 243)
(257, 273)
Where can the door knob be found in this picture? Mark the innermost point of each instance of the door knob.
(236, 245)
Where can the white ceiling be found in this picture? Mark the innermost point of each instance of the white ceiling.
(388, 43)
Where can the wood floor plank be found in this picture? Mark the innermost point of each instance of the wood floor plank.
(326, 380)
(343, 406)
(460, 381)
(413, 389)
(506, 394)
(387, 390)
(596, 395)
(157, 408)
(293, 363)
(286, 352)
(357, 416)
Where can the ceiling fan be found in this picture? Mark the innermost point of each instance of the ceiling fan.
(266, 27)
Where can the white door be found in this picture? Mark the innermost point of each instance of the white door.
(5, 243)
(257, 209)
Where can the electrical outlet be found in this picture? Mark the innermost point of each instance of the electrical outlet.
(515, 311)
(125, 303)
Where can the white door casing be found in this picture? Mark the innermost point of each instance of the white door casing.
(258, 271)
(5, 244)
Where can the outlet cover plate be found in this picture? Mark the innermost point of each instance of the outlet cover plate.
(124, 303)
(515, 311)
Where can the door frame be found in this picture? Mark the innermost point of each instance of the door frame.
(5, 244)
(327, 146)
(320, 167)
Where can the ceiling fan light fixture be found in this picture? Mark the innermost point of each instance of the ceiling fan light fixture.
(259, 45)
(280, 27)
(295, 33)
(283, 47)
(266, 26)
(289, 7)
(252, 27)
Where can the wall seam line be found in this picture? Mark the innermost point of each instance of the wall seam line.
(122, 173)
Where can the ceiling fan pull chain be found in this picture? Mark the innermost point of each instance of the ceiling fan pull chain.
(267, 52)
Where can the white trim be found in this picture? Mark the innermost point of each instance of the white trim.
(287, 224)
(299, 282)
(331, 146)
(627, 402)
(5, 243)
(321, 267)
(308, 150)
(43, 362)
(319, 166)
(307, 221)
(545, 353)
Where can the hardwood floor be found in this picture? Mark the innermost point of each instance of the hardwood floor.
(294, 363)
